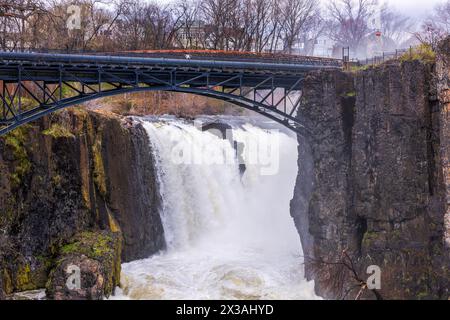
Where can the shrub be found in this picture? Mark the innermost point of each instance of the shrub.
(423, 52)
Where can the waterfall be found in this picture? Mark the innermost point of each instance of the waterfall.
(229, 235)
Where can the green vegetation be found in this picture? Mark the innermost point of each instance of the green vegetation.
(7, 282)
(349, 94)
(23, 278)
(104, 247)
(99, 169)
(422, 53)
(45, 261)
(369, 238)
(58, 131)
(92, 244)
(26, 103)
(15, 140)
(356, 68)
(56, 180)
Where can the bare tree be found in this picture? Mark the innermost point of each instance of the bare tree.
(130, 31)
(436, 26)
(264, 26)
(347, 279)
(219, 17)
(161, 26)
(147, 26)
(394, 25)
(188, 12)
(297, 16)
(102, 22)
(442, 16)
(96, 26)
(314, 29)
(15, 16)
(349, 21)
(108, 25)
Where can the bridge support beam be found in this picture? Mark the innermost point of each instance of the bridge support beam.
(32, 90)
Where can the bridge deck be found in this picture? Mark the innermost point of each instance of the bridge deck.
(46, 67)
(219, 55)
(261, 62)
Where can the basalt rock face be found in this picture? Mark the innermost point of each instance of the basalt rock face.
(321, 199)
(130, 187)
(2, 290)
(371, 186)
(443, 92)
(76, 172)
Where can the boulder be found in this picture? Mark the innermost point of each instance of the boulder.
(88, 267)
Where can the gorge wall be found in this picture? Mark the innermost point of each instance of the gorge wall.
(373, 183)
(78, 186)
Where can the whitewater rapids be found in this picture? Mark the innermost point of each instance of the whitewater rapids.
(229, 236)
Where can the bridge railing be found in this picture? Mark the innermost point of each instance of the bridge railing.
(214, 55)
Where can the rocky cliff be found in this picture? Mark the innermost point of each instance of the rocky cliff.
(79, 186)
(443, 93)
(372, 188)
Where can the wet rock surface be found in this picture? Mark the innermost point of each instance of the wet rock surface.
(224, 131)
(75, 172)
(443, 94)
(131, 192)
(2, 290)
(29, 295)
(371, 181)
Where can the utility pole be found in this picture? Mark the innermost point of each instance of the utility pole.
(346, 57)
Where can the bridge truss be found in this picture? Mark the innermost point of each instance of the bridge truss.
(35, 85)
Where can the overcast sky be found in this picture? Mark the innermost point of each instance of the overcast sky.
(414, 8)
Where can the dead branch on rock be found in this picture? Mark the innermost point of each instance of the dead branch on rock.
(339, 270)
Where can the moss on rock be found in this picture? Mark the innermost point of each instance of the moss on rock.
(58, 131)
(96, 245)
(16, 142)
(98, 254)
(23, 278)
(7, 282)
(99, 169)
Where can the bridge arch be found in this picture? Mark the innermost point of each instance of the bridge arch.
(274, 114)
(251, 85)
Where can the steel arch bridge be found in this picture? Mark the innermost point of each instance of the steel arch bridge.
(33, 85)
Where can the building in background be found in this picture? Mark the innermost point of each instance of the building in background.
(193, 36)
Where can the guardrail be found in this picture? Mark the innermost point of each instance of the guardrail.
(209, 55)
(292, 68)
(386, 56)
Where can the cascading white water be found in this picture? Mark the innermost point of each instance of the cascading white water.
(229, 236)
